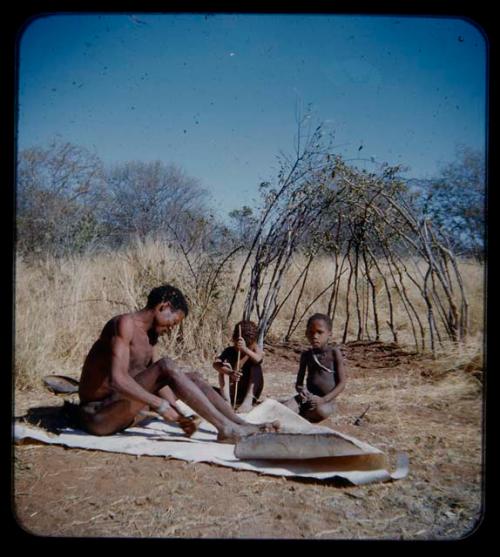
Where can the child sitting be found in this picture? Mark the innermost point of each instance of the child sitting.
(326, 376)
(246, 382)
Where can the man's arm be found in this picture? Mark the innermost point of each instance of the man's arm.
(338, 362)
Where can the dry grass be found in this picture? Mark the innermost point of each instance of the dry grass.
(321, 275)
(61, 306)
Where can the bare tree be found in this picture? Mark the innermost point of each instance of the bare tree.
(59, 191)
(244, 225)
(152, 199)
(455, 201)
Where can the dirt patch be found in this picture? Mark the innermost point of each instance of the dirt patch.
(438, 422)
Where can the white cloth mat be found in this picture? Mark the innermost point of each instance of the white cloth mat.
(158, 438)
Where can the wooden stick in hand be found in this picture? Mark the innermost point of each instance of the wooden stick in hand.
(237, 369)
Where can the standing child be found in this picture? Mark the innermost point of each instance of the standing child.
(247, 382)
(326, 376)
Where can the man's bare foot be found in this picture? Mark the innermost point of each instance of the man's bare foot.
(237, 432)
(234, 433)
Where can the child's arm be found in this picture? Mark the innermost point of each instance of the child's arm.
(338, 362)
(222, 366)
(255, 353)
(299, 383)
(224, 387)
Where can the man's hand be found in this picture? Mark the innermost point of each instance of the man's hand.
(169, 414)
(188, 424)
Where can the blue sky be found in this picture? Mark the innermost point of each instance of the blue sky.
(217, 94)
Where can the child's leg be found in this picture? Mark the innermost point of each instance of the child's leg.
(224, 387)
(246, 403)
(320, 413)
(251, 389)
(293, 403)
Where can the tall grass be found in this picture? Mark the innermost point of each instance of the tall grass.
(62, 305)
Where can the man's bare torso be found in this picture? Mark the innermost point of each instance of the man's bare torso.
(95, 381)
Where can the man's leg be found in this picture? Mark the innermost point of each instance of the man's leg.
(189, 391)
(167, 393)
(222, 405)
(120, 414)
(117, 413)
(192, 389)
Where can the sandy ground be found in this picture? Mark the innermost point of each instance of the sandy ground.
(436, 420)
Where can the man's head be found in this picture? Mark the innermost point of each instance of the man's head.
(169, 306)
(318, 330)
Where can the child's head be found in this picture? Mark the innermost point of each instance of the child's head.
(318, 330)
(249, 331)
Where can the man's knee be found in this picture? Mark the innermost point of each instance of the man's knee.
(98, 426)
(101, 430)
(168, 368)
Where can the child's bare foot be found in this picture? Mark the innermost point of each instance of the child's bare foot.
(244, 408)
